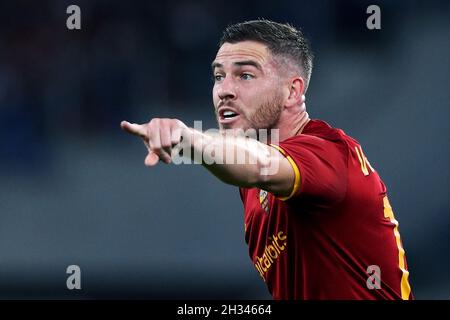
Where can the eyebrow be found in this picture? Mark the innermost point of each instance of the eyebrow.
(239, 63)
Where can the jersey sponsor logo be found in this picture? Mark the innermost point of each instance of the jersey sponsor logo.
(264, 200)
(271, 253)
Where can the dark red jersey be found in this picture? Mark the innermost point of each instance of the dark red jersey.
(335, 236)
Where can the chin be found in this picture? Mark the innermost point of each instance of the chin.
(233, 126)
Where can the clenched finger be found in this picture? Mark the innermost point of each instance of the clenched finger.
(153, 132)
(151, 159)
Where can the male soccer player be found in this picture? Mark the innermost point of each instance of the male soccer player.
(320, 226)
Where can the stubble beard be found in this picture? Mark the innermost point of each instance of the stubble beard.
(266, 116)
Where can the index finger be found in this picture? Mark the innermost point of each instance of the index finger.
(134, 128)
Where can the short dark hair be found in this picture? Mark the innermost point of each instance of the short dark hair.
(282, 39)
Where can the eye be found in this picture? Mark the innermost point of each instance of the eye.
(247, 76)
(218, 77)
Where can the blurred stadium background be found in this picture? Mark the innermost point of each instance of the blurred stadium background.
(73, 187)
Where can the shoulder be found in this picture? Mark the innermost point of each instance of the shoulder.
(319, 136)
(316, 136)
(321, 130)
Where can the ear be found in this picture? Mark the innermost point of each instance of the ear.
(296, 92)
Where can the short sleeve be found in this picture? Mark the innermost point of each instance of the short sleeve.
(320, 168)
(243, 194)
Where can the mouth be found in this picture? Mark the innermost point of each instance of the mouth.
(227, 115)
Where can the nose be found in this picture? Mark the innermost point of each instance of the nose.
(226, 89)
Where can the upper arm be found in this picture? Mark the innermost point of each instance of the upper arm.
(312, 167)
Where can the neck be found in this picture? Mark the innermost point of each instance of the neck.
(300, 123)
(292, 122)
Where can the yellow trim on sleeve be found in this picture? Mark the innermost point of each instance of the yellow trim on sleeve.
(296, 173)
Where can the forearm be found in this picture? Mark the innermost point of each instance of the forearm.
(236, 160)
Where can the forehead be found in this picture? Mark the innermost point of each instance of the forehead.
(245, 50)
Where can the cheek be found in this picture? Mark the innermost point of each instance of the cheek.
(215, 96)
(255, 96)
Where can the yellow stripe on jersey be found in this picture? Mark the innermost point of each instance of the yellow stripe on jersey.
(296, 173)
(362, 160)
(404, 285)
